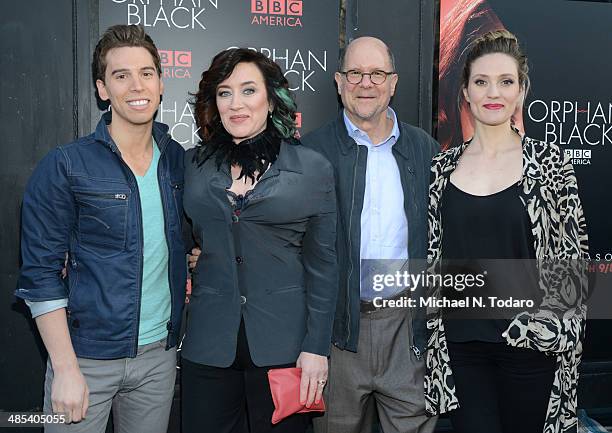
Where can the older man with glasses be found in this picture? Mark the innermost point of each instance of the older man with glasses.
(382, 178)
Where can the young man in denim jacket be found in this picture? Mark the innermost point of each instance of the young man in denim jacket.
(108, 207)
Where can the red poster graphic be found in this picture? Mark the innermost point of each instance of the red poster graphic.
(461, 21)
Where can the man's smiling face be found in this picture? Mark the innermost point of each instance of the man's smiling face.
(132, 85)
(366, 101)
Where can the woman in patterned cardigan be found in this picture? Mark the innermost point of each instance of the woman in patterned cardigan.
(506, 196)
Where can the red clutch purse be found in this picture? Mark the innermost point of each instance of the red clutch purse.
(285, 388)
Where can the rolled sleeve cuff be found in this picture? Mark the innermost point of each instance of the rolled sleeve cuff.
(39, 291)
(43, 307)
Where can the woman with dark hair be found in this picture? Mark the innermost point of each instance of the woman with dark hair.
(506, 198)
(263, 212)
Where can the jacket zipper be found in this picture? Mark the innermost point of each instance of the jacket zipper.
(415, 349)
(350, 229)
(105, 195)
(130, 175)
(165, 210)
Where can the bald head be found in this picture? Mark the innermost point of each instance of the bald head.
(367, 44)
(364, 101)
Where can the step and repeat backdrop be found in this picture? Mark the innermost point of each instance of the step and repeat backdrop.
(569, 104)
(301, 36)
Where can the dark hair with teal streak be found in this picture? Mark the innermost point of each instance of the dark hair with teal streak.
(283, 118)
(223, 64)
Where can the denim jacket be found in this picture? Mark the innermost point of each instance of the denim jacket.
(82, 202)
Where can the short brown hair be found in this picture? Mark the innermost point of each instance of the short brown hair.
(118, 36)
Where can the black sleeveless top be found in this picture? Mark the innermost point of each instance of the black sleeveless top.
(477, 229)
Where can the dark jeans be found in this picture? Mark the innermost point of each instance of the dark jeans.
(501, 389)
(235, 399)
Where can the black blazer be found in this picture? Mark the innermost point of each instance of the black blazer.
(274, 264)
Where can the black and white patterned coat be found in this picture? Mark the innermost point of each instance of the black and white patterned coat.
(549, 192)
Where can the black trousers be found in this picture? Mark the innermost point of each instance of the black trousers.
(235, 399)
(501, 389)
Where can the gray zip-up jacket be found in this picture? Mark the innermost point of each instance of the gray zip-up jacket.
(413, 152)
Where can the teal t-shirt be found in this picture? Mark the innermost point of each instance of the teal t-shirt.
(155, 302)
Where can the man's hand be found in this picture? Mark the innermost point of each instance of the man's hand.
(192, 259)
(69, 393)
(314, 376)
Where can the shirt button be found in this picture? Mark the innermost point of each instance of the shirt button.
(239, 260)
(243, 300)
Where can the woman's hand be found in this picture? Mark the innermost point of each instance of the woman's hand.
(314, 377)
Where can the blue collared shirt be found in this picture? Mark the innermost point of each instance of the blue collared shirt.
(384, 227)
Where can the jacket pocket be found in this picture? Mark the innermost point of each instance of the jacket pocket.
(206, 290)
(73, 284)
(102, 221)
(285, 289)
(177, 193)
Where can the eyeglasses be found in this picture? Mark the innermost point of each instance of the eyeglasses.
(376, 77)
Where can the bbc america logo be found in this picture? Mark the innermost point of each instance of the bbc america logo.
(579, 156)
(175, 64)
(277, 13)
(277, 7)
